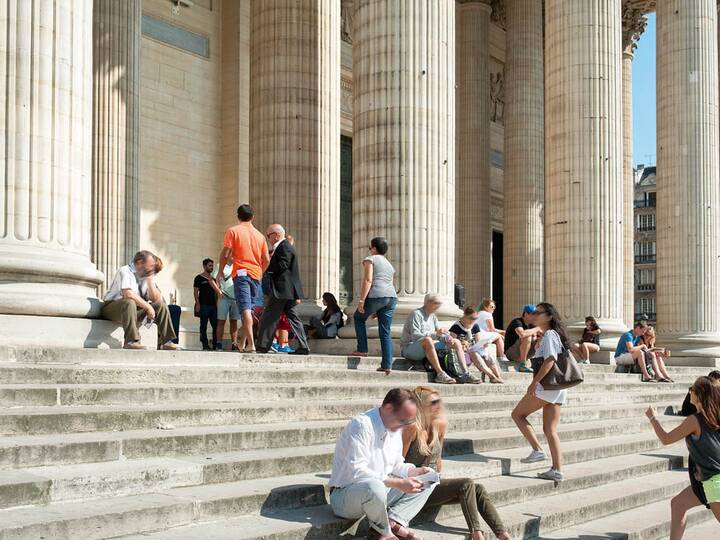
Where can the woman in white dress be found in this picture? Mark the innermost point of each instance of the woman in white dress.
(554, 340)
(487, 325)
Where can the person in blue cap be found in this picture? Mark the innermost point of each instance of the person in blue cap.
(521, 338)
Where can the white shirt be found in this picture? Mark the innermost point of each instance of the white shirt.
(124, 279)
(482, 320)
(366, 450)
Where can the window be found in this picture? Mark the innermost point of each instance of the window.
(645, 222)
(645, 252)
(645, 305)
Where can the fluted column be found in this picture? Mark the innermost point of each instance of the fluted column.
(523, 264)
(633, 25)
(628, 193)
(45, 158)
(295, 130)
(403, 145)
(116, 141)
(584, 207)
(472, 149)
(688, 177)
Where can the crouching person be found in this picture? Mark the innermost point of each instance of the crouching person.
(133, 297)
(369, 474)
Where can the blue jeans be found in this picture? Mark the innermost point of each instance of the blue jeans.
(207, 314)
(372, 499)
(385, 308)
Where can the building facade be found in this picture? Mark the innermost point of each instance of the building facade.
(488, 140)
(645, 244)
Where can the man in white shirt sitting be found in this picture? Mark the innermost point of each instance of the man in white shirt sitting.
(369, 474)
(124, 303)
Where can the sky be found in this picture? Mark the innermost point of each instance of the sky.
(644, 130)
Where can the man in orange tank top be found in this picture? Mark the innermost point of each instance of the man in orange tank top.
(250, 258)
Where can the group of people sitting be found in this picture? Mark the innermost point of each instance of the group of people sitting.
(636, 348)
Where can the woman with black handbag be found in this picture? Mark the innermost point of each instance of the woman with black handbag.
(555, 370)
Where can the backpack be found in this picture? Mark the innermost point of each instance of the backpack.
(451, 364)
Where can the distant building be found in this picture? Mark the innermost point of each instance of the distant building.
(645, 243)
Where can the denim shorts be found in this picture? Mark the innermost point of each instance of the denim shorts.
(227, 307)
(247, 291)
(415, 351)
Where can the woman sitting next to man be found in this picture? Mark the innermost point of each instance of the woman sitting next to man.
(475, 342)
(661, 354)
(589, 342)
(422, 446)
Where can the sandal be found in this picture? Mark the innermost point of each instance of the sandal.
(384, 370)
(649, 380)
(402, 532)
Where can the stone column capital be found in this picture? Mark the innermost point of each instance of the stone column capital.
(483, 4)
(634, 22)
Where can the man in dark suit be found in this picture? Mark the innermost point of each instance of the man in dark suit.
(284, 291)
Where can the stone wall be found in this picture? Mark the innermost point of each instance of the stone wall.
(181, 159)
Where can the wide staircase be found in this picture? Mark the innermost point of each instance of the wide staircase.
(216, 446)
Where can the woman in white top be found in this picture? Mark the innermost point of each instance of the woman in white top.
(487, 325)
(554, 340)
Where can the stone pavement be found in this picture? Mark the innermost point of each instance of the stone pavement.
(99, 444)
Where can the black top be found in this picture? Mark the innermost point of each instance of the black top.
(283, 274)
(511, 336)
(705, 450)
(207, 293)
(461, 333)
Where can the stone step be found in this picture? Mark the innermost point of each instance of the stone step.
(533, 518)
(38, 485)
(651, 522)
(37, 450)
(201, 358)
(48, 395)
(81, 394)
(95, 374)
(467, 412)
(287, 493)
(522, 518)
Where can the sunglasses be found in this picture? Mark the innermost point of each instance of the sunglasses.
(538, 312)
(434, 402)
(406, 422)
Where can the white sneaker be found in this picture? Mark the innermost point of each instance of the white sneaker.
(551, 474)
(534, 457)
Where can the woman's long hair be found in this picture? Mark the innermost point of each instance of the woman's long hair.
(332, 305)
(707, 393)
(593, 323)
(556, 322)
(424, 425)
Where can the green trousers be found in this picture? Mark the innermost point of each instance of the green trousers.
(473, 499)
(126, 312)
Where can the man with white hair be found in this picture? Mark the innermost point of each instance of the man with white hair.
(422, 337)
(284, 291)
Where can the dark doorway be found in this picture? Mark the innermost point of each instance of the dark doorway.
(497, 278)
(346, 235)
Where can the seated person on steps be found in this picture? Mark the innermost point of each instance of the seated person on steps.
(134, 296)
(422, 338)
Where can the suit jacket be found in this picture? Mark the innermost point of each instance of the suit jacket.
(283, 273)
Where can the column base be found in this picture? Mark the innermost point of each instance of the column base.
(447, 314)
(39, 281)
(691, 345)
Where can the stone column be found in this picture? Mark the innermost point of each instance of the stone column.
(524, 262)
(688, 183)
(403, 146)
(116, 140)
(584, 204)
(472, 149)
(295, 130)
(634, 23)
(46, 114)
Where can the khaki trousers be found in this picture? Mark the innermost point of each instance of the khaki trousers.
(126, 312)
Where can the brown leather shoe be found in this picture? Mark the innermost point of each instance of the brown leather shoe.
(171, 347)
(134, 346)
